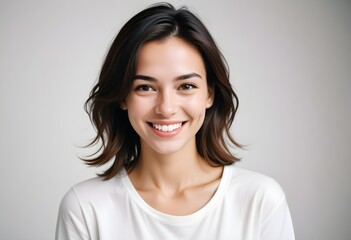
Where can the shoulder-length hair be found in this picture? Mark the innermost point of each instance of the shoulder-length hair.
(120, 144)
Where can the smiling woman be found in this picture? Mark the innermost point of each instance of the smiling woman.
(162, 108)
(169, 96)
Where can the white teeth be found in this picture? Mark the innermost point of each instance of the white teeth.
(167, 128)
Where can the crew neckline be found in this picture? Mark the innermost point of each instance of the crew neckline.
(174, 219)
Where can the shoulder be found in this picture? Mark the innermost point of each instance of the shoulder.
(91, 191)
(255, 190)
(254, 182)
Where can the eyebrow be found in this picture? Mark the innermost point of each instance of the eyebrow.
(181, 77)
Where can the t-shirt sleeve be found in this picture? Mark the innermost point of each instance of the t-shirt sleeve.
(278, 225)
(71, 224)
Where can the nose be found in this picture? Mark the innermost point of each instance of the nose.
(166, 104)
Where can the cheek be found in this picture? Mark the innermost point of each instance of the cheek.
(134, 111)
(198, 102)
(137, 106)
(196, 106)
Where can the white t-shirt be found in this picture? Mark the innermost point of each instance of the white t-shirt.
(246, 205)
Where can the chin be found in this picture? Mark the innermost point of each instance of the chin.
(166, 151)
(166, 148)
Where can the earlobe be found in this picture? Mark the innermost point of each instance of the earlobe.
(210, 98)
(209, 103)
(123, 105)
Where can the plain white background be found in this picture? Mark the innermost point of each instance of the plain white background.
(290, 64)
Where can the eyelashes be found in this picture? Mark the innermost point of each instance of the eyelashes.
(144, 88)
(187, 86)
(182, 87)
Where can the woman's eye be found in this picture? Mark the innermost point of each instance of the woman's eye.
(144, 88)
(187, 86)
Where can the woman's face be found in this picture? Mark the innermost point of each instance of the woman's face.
(169, 96)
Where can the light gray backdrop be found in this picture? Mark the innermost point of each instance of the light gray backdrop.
(290, 64)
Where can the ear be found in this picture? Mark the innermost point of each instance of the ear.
(210, 98)
(123, 105)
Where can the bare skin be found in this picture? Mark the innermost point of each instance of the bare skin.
(171, 188)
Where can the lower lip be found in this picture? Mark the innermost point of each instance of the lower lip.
(167, 134)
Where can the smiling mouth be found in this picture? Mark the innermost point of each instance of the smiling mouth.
(167, 127)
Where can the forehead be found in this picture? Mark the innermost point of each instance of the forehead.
(170, 55)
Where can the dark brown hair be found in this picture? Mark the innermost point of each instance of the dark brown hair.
(119, 142)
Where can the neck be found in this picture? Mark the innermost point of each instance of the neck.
(170, 172)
